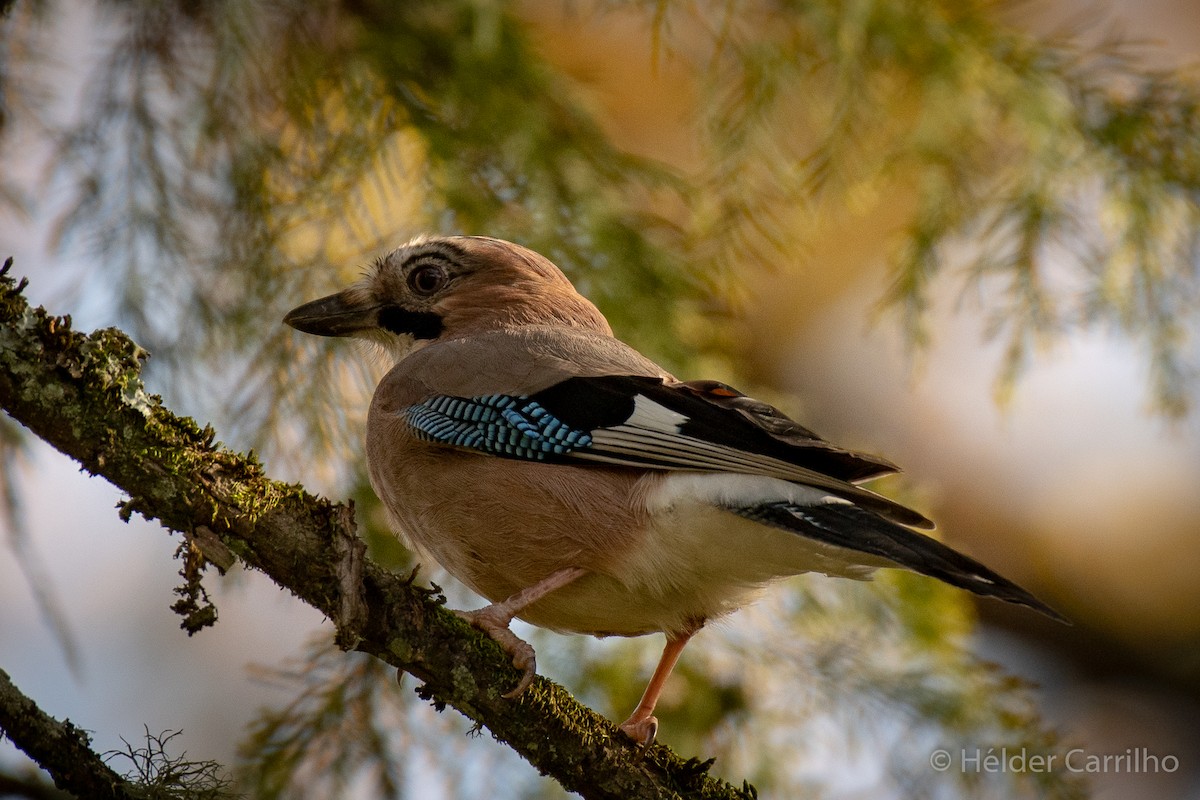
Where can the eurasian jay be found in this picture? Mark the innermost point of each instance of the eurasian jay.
(577, 485)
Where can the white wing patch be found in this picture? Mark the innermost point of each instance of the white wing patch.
(654, 416)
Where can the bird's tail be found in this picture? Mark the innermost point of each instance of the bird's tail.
(846, 525)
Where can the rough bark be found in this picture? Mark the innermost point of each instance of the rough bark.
(83, 394)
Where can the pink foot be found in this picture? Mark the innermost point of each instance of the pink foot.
(642, 731)
(520, 651)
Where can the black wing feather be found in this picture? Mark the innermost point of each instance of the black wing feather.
(715, 413)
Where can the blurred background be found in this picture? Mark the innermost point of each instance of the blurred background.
(961, 235)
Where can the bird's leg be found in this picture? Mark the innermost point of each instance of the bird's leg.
(642, 726)
(494, 620)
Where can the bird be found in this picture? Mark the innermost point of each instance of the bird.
(579, 486)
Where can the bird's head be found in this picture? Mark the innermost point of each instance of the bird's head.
(440, 288)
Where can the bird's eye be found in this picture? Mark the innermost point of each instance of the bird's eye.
(427, 279)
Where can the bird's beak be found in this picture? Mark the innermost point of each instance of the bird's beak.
(342, 314)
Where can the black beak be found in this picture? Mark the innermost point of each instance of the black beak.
(337, 315)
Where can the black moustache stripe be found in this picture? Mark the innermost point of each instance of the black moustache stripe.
(418, 324)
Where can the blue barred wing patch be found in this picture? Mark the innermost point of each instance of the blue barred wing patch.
(500, 424)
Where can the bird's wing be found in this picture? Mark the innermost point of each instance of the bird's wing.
(791, 440)
(645, 421)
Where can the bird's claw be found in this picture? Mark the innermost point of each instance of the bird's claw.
(642, 731)
(520, 651)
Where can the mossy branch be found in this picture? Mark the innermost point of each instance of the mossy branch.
(60, 748)
(83, 394)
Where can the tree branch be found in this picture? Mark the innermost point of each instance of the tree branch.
(60, 748)
(31, 786)
(83, 394)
